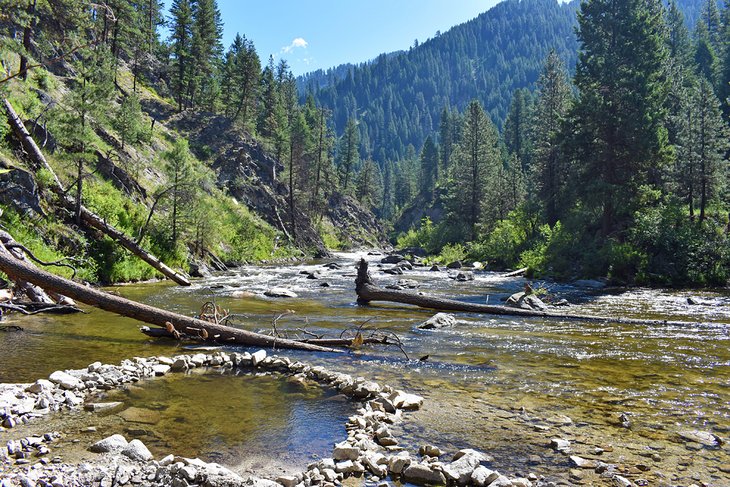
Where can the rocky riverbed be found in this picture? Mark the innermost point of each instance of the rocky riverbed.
(648, 404)
(370, 451)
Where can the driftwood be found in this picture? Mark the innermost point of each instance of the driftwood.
(367, 291)
(34, 293)
(88, 218)
(19, 270)
(516, 273)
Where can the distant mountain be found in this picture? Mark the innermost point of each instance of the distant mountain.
(398, 97)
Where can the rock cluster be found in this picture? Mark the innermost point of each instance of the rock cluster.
(370, 449)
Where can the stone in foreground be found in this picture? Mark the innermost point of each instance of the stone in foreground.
(110, 444)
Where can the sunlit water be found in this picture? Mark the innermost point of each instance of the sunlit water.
(504, 385)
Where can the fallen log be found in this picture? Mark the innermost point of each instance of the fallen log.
(87, 217)
(34, 293)
(17, 269)
(516, 273)
(367, 291)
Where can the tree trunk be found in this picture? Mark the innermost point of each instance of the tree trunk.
(19, 270)
(86, 216)
(367, 291)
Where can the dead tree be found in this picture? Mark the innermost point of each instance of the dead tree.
(87, 217)
(19, 270)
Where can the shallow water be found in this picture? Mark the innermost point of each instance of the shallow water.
(501, 384)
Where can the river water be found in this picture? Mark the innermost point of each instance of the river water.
(620, 393)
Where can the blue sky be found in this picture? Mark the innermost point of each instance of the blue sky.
(313, 34)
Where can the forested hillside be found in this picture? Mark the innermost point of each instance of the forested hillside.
(620, 170)
(397, 99)
(192, 152)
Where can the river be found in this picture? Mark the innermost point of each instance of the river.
(504, 385)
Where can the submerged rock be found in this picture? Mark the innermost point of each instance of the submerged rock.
(280, 292)
(702, 437)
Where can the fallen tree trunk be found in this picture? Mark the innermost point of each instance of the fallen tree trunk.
(88, 218)
(367, 291)
(17, 269)
(516, 273)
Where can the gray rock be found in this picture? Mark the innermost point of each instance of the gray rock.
(179, 365)
(620, 481)
(258, 357)
(392, 259)
(399, 462)
(454, 265)
(501, 481)
(41, 385)
(464, 463)
(402, 400)
(702, 437)
(102, 406)
(560, 445)
(136, 450)
(160, 369)
(526, 301)
(482, 476)
(421, 474)
(581, 462)
(430, 451)
(288, 480)
(280, 292)
(109, 444)
(439, 320)
(345, 451)
(66, 381)
(464, 276)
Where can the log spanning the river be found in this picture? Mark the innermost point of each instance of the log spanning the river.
(87, 217)
(367, 291)
(19, 270)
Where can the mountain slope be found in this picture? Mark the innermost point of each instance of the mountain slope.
(398, 98)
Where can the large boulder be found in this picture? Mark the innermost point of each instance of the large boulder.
(280, 292)
(439, 320)
(524, 300)
(422, 474)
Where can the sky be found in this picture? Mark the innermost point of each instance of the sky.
(319, 34)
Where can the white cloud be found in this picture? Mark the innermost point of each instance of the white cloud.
(296, 43)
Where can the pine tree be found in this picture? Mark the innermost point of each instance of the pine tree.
(128, 121)
(429, 168)
(348, 153)
(181, 13)
(619, 117)
(516, 127)
(89, 98)
(678, 39)
(475, 163)
(180, 172)
(369, 184)
(702, 147)
(206, 50)
(550, 162)
(267, 124)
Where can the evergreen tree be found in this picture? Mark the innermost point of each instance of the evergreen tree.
(369, 184)
(619, 117)
(129, 121)
(348, 153)
(206, 50)
(89, 98)
(180, 173)
(702, 148)
(181, 13)
(678, 39)
(516, 127)
(429, 168)
(475, 164)
(268, 120)
(551, 169)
